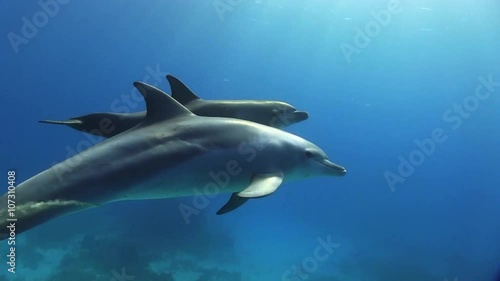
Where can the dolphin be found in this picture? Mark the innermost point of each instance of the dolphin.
(171, 153)
(272, 113)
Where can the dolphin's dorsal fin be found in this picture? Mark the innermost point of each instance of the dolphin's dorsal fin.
(159, 105)
(181, 92)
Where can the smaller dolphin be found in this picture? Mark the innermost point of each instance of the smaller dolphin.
(271, 113)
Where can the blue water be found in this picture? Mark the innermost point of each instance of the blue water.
(438, 220)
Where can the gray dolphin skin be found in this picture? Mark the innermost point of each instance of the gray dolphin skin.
(171, 153)
(272, 113)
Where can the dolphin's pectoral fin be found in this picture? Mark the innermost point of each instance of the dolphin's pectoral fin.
(66, 122)
(181, 92)
(262, 185)
(234, 202)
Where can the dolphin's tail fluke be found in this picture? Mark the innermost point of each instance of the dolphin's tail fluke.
(66, 122)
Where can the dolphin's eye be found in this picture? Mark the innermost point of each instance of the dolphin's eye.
(309, 154)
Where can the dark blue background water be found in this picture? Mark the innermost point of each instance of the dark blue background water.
(367, 110)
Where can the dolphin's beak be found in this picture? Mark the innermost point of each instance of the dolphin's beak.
(298, 116)
(333, 169)
(288, 118)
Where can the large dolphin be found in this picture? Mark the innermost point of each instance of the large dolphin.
(171, 153)
(272, 113)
